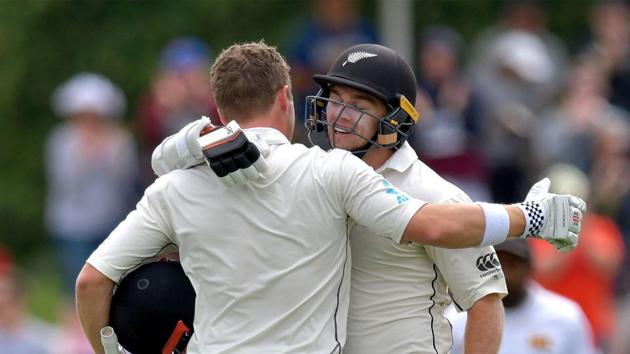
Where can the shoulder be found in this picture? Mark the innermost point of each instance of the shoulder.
(313, 157)
(335, 159)
(180, 179)
(424, 183)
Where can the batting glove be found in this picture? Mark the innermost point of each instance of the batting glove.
(232, 156)
(552, 217)
(227, 150)
(180, 150)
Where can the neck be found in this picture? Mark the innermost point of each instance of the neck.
(376, 157)
(264, 121)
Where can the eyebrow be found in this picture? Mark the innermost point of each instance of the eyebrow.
(357, 95)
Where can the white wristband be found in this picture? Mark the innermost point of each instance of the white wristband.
(497, 224)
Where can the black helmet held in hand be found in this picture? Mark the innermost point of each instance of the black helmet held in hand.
(153, 308)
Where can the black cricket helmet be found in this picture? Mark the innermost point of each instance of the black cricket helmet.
(153, 308)
(378, 71)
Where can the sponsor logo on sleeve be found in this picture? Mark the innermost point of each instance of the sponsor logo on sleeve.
(400, 197)
(488, 264)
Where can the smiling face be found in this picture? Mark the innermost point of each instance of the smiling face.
(352, 117)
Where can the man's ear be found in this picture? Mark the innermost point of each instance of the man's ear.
(284, 98)
(222, 117)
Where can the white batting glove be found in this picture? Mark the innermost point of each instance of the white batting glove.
(552, 217)
(195, 143)
(180, 150)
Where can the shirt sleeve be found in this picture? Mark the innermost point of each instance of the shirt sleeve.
(373, 201)
(470, 273)
(142, 235)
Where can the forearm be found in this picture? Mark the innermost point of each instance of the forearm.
(93, 299)
(456, 225)
(484, 326)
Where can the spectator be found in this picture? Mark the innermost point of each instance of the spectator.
(335, 25)
(449, 134)
(610, 47)
(510, 91)
(20, 333)
(585, 127)
(179, 94)
(536, 320)
(91, 166)
(593, 265)
(522, 26)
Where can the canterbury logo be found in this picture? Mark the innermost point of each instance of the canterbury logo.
(356, 56)
(488, 261)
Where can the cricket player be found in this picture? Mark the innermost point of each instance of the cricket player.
(269, 261)
(399, 292)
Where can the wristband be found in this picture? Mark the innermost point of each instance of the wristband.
(497, 224)
(534, 218)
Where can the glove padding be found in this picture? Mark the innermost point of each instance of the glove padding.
(552, 217)
(235, 167)
(237, 161)
(180, 150)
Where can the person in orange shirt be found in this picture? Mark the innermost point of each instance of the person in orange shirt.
(586, 275)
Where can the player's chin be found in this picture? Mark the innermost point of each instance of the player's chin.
(346, 142)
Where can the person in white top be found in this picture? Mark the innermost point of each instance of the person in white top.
(269, 260)
(399, 292)
(536, 320)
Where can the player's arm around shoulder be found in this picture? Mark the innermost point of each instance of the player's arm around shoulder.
(367, 197)
(459, 225)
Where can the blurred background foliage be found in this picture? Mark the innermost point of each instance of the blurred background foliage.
(43, 42)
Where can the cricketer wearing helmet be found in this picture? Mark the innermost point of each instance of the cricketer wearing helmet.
(398, 292)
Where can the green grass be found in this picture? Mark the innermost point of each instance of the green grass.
(45, 295)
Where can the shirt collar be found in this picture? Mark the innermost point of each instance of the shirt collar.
(401, 160)
(270, 135)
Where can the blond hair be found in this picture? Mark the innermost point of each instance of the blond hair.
(246, 77)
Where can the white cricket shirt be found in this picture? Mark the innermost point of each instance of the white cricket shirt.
(269, 261)
(544, 323)
(399, 292)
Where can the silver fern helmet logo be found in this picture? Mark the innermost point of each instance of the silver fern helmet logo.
(356, 56)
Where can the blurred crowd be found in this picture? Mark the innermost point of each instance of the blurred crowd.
(497, 113)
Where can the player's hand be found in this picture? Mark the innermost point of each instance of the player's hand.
(552, 217)
(232, 156)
